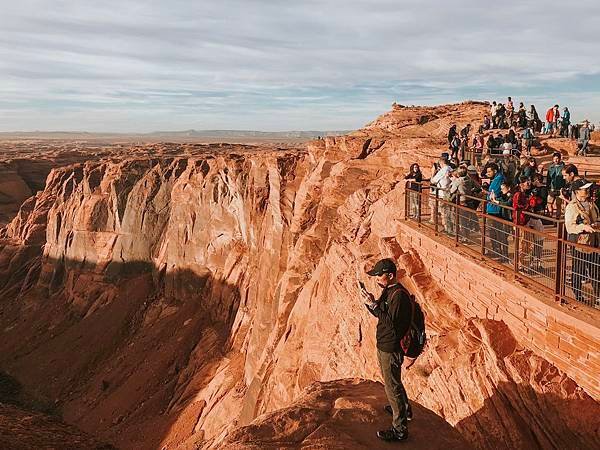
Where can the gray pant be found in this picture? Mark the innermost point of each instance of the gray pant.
(391, 364)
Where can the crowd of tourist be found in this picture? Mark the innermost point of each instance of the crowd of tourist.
(516, 131)
(513, 188)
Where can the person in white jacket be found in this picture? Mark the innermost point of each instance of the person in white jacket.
(440, 180)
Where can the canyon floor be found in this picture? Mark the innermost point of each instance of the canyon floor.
(184, 295)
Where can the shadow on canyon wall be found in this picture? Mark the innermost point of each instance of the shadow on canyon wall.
(113, 350)
(563, 423)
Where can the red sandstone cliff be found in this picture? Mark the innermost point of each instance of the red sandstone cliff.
(168, 300)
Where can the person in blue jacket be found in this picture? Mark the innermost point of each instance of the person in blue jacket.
(498, 232)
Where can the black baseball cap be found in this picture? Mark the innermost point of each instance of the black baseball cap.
(384, 266)
(580, 184)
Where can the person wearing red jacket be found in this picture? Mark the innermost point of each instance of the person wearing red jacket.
(549, 120)
(526, 201)
(552, 116)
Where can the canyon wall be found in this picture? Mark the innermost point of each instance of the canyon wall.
(170, 300)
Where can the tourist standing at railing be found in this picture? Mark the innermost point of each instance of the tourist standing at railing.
(570, 174)
(538, 200)
(414, 177)
(581, 223)
(584, 138)
(505, 200)
(497, 232)
(554, 183)
(461, 188)
(524, 201)
(440, 181)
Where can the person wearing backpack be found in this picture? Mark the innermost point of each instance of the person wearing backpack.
(396, 312)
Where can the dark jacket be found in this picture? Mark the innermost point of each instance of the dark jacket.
(506, 200)
(555, 181)
(418, 177)
(393, 311)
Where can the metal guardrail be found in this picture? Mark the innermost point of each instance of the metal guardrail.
(538, 252)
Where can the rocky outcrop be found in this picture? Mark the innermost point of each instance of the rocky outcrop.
(340, 414)
(24, 430)
(167, 300)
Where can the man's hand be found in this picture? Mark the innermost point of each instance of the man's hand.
(367, 297)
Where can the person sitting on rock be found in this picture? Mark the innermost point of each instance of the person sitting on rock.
(393, 311)
(487, 123)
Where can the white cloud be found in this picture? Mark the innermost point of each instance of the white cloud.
(142, 65)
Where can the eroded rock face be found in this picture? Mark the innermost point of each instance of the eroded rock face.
(170, 300)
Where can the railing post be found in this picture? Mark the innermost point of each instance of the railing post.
(435, 218)
(419, 203)
(517, 250)
(483, 224)
(561, 262)
(456, 223)
(406, 201)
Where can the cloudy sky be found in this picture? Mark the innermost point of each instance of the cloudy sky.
(133, 65)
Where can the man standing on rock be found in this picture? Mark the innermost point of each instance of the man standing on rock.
(393, 310)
